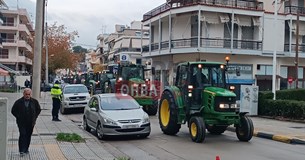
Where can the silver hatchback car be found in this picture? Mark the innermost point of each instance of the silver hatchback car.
(114, 114)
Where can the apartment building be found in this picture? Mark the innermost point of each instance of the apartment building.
(16, 34)
(210, 30)
(125, 44)
(3, 5)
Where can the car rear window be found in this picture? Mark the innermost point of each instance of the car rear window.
(116, 103)
(75, 89)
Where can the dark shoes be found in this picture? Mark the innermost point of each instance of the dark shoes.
(23, 153)
(57, 120)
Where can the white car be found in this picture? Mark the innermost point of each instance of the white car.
(74, 96)
(114, 114)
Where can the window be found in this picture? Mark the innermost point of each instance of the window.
(4, 53)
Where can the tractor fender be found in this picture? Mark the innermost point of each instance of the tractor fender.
(175, 91)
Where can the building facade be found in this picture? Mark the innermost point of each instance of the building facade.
(16, 34)
(125, 44)
(244, 30)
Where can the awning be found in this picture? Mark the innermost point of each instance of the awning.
(126, 43)
(136, 43)
(301, 28)
(244, 21)
(256, 21)
(117, 44)
(3, 72)
(224, 18)
(211, 18)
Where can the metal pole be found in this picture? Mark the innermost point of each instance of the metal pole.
(47, 47)
(37, 48)
(274, 51)
(232, 31)
(47, 56)
(297, 52)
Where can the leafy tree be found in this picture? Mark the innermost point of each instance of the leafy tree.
(60, 53)
(79, 49)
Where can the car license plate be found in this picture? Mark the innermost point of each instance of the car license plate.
(77, 105)
(130, 126)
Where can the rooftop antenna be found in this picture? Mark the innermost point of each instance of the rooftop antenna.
(17, 4)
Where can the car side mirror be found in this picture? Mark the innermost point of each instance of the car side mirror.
(93, 109)
(141, 107)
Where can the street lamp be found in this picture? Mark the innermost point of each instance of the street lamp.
(274, 51)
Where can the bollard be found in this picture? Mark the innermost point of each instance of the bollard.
(3, 126)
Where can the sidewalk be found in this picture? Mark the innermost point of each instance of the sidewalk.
(44, 145)
(288, 132)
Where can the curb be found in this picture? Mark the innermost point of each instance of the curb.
(279, 138)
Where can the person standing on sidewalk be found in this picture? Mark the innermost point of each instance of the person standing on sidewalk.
(26, 111)
(56, 99)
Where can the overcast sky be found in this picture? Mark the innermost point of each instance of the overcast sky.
(90, 17)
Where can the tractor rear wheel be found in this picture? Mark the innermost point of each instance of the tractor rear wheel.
(216, 130)
(244, 130)
(197, 129)
(168, 114)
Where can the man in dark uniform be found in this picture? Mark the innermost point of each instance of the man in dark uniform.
(26, 111)
(56, 98)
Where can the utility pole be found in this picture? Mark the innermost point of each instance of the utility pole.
(297, 52)
(37, 49)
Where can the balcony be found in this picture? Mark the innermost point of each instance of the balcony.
(9, 26)
(15, 43)
(24, 59)
(238, 4)
(294, 10)
(23, 28)
(207, 43)
(293, 48)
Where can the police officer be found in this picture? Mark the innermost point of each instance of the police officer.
(56, 98)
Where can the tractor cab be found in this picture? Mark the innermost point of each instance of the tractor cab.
(193, 78)
(132, 71)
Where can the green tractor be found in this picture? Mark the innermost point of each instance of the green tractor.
(201, 99)
(131, 77)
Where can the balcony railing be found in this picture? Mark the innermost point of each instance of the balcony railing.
(9, 24)
(294, 9)
(206, 43)
(293, 48)
(250, 5)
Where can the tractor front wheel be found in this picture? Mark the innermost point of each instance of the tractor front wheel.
(244, 130)
(168, 114)
(197, 129)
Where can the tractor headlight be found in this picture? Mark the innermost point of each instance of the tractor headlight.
(224, 106)
(233, 105)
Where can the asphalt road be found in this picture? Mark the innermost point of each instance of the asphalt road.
(181, 147)
(159, 146)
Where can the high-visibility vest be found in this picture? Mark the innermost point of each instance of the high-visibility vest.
(56, 91)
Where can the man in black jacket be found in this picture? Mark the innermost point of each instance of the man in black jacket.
(26, 111)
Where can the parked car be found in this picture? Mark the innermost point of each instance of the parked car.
(74, 96)
(114, 114)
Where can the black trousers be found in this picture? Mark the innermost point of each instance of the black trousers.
(25, 133)
(55, 109)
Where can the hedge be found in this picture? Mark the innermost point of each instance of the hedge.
(289, 104)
